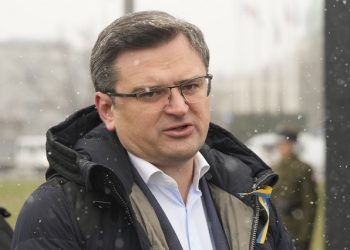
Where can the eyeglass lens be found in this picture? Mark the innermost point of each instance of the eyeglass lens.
(193, 91)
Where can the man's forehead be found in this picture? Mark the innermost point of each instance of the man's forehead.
(176, 57)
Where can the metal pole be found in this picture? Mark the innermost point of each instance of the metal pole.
(337, 99)
(128, 6)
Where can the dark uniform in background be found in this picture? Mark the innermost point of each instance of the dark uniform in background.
(295, 194)
(5, 230)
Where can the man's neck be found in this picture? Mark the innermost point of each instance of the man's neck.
(182, 174)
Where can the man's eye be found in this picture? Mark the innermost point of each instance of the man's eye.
(191, 87)
(151, 95)
(148, 94)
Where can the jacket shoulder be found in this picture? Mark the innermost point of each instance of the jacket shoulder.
(46, 221)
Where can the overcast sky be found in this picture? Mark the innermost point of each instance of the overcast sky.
(237, 31)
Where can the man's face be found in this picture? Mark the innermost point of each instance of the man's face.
(286, 148)
(167, 136)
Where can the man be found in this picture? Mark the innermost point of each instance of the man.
(140, 169)
(295, 194)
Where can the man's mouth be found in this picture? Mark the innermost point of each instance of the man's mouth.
(181, 127)
(179, 131)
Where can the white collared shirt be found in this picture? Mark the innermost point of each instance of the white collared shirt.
(187, 219)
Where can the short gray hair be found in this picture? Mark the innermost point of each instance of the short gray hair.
(144, 29)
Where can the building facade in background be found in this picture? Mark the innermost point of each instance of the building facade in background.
(279, 55)
(40, 84)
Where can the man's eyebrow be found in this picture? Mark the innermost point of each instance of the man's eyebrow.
(151, 86)
(145, 87)
(187, 80)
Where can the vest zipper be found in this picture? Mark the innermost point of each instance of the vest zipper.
(109, 183)
(255, 224)
(257, 210)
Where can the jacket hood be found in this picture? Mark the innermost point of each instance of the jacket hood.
(60, 140)
(223, 150)
(81, 145)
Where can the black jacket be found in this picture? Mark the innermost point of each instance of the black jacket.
(85, 203)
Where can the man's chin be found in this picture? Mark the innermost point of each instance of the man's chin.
(181, 155)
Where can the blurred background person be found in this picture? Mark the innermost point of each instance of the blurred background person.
(5, 230)
(295, 194)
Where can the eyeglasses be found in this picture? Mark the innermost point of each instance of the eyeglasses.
(192, 90)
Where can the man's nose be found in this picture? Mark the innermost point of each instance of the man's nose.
(177, 102)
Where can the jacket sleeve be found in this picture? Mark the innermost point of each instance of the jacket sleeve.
(46, 222)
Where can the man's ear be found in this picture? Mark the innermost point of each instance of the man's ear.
(104, 107)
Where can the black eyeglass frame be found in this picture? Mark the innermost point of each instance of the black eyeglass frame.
(182, 83)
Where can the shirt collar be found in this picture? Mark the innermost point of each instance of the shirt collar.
(148, 170)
